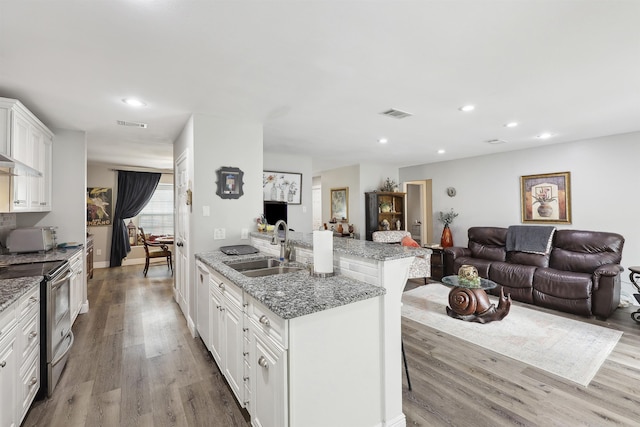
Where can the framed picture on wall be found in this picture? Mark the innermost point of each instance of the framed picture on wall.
(99, 206)
(282, 187)
(546, 198)
(229, 183)
(340, 204)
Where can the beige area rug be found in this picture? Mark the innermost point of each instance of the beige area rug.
(568, 348)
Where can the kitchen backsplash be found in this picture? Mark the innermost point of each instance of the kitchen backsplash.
(7, 223)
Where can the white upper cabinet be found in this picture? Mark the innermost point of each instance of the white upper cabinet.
(23, 137)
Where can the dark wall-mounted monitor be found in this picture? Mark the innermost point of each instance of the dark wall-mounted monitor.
(274, 211)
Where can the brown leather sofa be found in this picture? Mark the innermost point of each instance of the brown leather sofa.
(580, 274)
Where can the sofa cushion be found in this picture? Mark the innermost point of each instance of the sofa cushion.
(581, 307)
(585, 251)
(525, 258)
(563, 284)
(488, 242)
(512, 275)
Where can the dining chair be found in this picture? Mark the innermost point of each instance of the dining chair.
(154, 250)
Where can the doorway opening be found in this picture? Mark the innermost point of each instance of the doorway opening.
(418, 207)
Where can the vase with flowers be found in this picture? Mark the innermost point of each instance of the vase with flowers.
(544, 197)
(446, 241)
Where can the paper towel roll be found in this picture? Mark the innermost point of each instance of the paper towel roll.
(323, 251)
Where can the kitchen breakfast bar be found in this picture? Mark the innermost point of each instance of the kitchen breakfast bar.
(298, 350)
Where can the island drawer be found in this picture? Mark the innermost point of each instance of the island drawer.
(7, 320)
(29, 302)
(270, 324)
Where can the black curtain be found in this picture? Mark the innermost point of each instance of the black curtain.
(134, 192)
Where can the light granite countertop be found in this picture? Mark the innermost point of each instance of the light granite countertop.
(59, 254)
(354, 247)
(12, 289)
(293, 294)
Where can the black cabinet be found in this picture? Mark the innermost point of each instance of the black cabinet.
(382, 209)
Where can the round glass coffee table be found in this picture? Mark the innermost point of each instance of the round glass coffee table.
(470, 302)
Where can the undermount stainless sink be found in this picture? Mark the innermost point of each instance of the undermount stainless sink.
(271, 271)
(263, 267)
(254, 264)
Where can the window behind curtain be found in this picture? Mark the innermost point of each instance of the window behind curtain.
(157, 217)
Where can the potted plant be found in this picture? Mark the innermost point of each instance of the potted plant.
(543, 196)
(447, 218)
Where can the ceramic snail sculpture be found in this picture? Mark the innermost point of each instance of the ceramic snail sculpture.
(472, 303)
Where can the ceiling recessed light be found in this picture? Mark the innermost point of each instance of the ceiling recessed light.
(467, 108)
(495, 141)
(511, 124)
(133, 102)
(441, 151)
(383, 140)
(545, 135)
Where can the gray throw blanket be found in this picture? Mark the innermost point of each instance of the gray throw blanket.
(533, 239)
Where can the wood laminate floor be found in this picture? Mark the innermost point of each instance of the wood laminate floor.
(134, 363)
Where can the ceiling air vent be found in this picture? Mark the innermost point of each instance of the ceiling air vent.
(396, 114)
(132, 124)
(495, 141)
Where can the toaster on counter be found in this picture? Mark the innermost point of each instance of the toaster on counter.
(32, 239)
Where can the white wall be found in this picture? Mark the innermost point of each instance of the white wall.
(348, 176)
(102, 175)
(299, 217)
(604, 177)
(360, 179)
(215, 142)
(69, 208)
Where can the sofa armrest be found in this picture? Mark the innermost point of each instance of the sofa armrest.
(450, 255)
(605, 272)
(610, 270)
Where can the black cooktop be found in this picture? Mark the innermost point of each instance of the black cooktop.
(13, 271)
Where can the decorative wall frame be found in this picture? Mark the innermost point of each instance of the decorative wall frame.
(546, 198)
(99, 206)
(340, 204)
(282, 187)
(229, 182)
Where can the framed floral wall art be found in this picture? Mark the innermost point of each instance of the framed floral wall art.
(340, 204)
(546, 198)
(282, 187)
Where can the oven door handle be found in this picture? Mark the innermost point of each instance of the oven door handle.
(64, 353)
(58, 282)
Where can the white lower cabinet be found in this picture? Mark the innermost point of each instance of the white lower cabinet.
(202, 303)
(226, 331)
(8, 367)
(76, 285)
(268, 380)
(19, 357)
(216, 322)
(317, 370)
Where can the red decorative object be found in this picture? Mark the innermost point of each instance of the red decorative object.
(446, 241)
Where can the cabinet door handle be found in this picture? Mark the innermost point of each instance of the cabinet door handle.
(33, 381)
(245, 329)
(262, 361)
(245, 353)
(33, 300)
(3, 364)
(221, 286)
(265, 320)
(33, 334)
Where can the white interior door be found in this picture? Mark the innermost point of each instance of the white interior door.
(183, 208)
